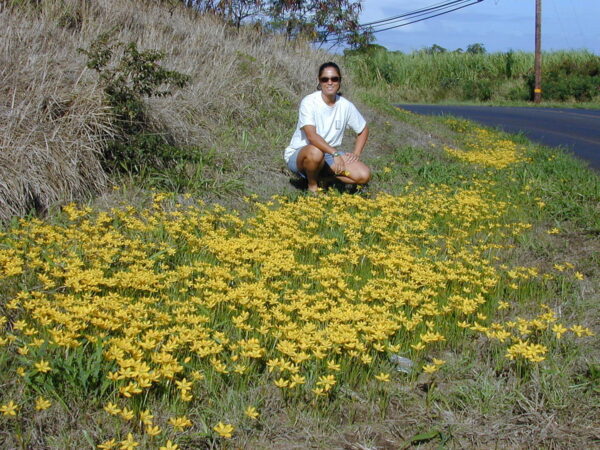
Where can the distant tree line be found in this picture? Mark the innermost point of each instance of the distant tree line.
(321, 21)
(474, 49)
(370, 48)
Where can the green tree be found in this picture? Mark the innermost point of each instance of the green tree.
(476, 49)
(433, 50)
(333, 21)
(232, 11)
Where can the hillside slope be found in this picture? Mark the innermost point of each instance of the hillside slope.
(55, 122)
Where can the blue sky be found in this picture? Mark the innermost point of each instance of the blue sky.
(500, 25)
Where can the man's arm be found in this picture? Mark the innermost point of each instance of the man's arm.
(359, 145)
(315, 139)
(361, 141)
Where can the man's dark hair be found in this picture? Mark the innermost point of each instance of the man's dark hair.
(330, 64)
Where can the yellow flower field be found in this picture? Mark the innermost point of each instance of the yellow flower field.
(308, 295)
(485, 148)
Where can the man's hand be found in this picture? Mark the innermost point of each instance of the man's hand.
(339, 165)
(350, 158)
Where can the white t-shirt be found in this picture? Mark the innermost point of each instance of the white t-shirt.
(330, 121)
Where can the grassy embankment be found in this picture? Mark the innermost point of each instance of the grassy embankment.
(226, 127)
(150, 319)
(569, 78)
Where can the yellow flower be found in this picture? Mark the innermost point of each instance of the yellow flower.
(197, 375)
(503, 305)
(146, 417)
(559, 330)
(318, 391)
(107, 445)
(43, 366)
(127, 413)
(180, 423)
(251, 412)
(332, 365)
(9, 409)
(418, 346)
(383, 377)
(42, 404)
(112, 409)
(130, 389)
(326, 382)
(531, 352)
(430, 368)
(184, 385)
(581, 331)
(113, 376)
(579, 275)
(129, 443)
(19, 325)
(169, 446)
(281, 383)
(297, 380)
(432, 337)
(366, 359)
(153, 430)
(224, 430)
(23, 350)
(394, 348)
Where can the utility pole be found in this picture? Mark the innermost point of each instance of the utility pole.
(537, 90)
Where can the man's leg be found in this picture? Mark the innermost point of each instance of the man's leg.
(310, 161)
(355, 172)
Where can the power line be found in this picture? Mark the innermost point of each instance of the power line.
(412, 13)
(560, 22)
(472, 2)
(439, 10)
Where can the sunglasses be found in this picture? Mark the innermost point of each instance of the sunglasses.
(326, 79)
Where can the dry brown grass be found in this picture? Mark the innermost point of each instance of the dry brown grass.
(52, 116)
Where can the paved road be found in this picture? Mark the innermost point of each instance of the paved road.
(575, 129)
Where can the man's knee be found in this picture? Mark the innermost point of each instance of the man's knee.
(311, 158)
(313, 154)
(362, 175)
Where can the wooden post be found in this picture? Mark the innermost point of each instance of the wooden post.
(537, 90)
